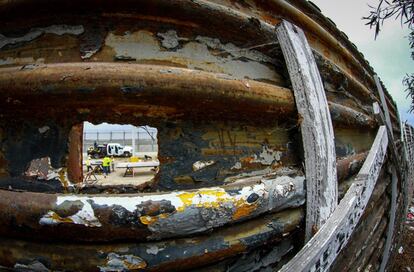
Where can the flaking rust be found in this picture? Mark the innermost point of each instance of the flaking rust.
(178, 213)
(211, 77)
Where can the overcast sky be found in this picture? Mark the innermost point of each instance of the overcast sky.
(389, 54)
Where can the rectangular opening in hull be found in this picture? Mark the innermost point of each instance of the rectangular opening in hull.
(115, 154)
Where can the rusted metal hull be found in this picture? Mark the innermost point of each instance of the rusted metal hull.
(211, 77)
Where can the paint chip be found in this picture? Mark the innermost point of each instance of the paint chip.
(43, 129)
(198, 165)
(117, 262)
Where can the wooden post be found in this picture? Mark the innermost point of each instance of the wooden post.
(316, 126)
(391, 224)
(385, 119)
(320, 252)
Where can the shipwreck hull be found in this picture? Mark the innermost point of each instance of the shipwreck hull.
(218, 81)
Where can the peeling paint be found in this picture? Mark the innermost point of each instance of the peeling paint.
(239, 63)
(237, 166)
(35, 33)
(170, 39)
(43, 129)
(268, 156)
(117, 262)
(86, 216)
(154, 249)
(192, 211)
(198, 165)
(34, 265)
(233, 50)
(21, 61)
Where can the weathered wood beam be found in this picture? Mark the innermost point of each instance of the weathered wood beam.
(320, 252)
(362, 236)
(391, 223)
(384, 106)
(382, 119)
(316, 126)
(384, 102)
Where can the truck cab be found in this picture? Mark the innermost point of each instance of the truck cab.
(111, 149)
(115, 149)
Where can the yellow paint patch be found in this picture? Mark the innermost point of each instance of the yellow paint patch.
(60, 219)
(187, 199)
(62, 178)
(137, 266)
(148, 220)
(244, 210)
(217, 197)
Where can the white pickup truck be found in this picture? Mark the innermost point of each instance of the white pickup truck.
(110, 149)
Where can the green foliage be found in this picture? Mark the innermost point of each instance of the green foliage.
(408, 82)
(404, 11)
(400, 9)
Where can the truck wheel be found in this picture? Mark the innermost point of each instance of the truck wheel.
(127, 154)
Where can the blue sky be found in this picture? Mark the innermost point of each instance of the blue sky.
(389, 54)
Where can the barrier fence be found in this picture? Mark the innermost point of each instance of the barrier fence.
(144, 141)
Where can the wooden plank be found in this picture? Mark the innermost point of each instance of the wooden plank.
(395, 156)
(391, 223)
(384, 105)
(320, 252)
(137, 164)
(316, 126)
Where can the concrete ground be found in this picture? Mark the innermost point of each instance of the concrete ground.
(141, 175)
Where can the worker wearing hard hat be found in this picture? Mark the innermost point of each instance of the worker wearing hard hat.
(106, 164)
(88, 164)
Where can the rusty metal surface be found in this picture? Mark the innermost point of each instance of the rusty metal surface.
(151, 216)
(210, 76)
(143, 85)
(145, 217)
(156, 91)
(74, 162)
(171, 255)
(271, 12)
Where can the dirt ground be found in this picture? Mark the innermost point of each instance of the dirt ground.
(404, 260)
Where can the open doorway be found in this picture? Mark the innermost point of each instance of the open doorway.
(119, 155)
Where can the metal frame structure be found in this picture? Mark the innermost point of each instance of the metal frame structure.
(162, 92)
